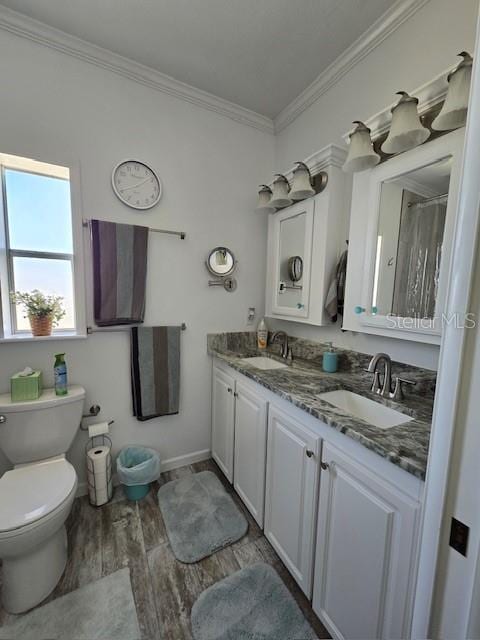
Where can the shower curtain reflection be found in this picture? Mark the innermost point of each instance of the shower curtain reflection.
(418, 259)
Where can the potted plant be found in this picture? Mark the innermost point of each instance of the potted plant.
(43, 311)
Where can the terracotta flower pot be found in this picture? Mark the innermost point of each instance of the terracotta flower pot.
(41, 325)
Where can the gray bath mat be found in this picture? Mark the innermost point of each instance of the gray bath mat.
(251, 604)
(200, 516)
(103, 609)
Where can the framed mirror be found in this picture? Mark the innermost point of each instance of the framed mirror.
(292, 237)
(400, 242)
(221, 262)
(410, 235)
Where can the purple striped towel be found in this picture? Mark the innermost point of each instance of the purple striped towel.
(119, 272)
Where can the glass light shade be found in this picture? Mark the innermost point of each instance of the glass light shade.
(406, 130)
(264, 199)
(361, 155)
(280, 197)
(454, 110)
(302, 183)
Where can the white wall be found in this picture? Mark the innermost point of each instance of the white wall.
(54, 105)
(421, 48)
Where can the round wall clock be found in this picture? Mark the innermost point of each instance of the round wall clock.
(136, 185)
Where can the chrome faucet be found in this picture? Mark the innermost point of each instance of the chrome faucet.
(385, 389)
(282, 337)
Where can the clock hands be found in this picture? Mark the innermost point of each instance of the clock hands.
(138, 184)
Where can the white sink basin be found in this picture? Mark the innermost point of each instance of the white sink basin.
(372, 412)
(261, 362)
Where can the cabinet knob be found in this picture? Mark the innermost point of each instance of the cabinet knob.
(309, 453)
(235, 395)
(229, 390)
(325, 465)
(3, 419)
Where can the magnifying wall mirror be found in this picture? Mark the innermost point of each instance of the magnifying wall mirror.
(221, 262)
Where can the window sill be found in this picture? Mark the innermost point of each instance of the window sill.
(27, 337)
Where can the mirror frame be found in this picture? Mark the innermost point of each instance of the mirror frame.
(370, 183)
(215, 273)
(304, 207)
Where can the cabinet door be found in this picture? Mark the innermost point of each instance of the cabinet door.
(365, 552)
(223, 414)
(290, 236)
(250, 449)
(292, 493)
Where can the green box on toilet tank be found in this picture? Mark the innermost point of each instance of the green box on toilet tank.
(25, 388)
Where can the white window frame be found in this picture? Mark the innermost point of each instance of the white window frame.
(63, 170)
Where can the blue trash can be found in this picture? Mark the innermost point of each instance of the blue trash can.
(137, 467)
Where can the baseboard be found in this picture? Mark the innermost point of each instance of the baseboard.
(183, 461)
(167, 465)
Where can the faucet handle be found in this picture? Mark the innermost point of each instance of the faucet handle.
(398, 390)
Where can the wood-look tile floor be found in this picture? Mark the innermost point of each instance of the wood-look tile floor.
(128, 534)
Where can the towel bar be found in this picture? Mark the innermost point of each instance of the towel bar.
(182, 235)
(90, 330)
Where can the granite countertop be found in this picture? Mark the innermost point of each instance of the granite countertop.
(404, 445)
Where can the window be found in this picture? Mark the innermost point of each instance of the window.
(36, 242)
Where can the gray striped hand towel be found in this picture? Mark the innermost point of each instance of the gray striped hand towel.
(155, 371)
(119, 272)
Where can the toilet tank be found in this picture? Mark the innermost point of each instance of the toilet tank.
(39, 429)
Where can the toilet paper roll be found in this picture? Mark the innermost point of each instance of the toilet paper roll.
(98, 429)
(98, 458)
(99, 479)
(100, 494)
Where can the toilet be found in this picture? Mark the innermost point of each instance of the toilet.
(37, 494)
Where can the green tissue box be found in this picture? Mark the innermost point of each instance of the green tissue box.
(24, 388)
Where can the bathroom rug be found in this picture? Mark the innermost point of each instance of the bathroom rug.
(101, 610)
(199, 515)
(251, 604)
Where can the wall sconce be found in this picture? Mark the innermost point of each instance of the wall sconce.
(302, 183)
(361, 155)
(280, 197)
(264, 199)
(454, 110)
(406, 130)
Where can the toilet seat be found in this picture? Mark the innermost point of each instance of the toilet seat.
(33, 491)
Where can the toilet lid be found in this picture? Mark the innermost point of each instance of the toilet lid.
(31, 492)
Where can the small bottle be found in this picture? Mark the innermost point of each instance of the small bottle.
(60, 373)
(330, 359)
(262, 334)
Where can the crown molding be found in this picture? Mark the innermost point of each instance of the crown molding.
(41, 33)
(368, 41)
(330, 156)
(429, 94)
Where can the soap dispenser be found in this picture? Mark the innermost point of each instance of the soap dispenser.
(330, 359)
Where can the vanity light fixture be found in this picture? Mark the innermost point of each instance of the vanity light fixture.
(454, 110)
(264, 200)
(302, 183)
(361, 154)
(280, 195)
(406, 130)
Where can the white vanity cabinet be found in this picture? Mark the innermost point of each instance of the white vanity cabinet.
(364, 554)
(313, 233)
(223, 420)
(250, 449)
(239, 437)
(343, 519)
(292, 493)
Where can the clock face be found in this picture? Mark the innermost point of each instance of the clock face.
(136, 185)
